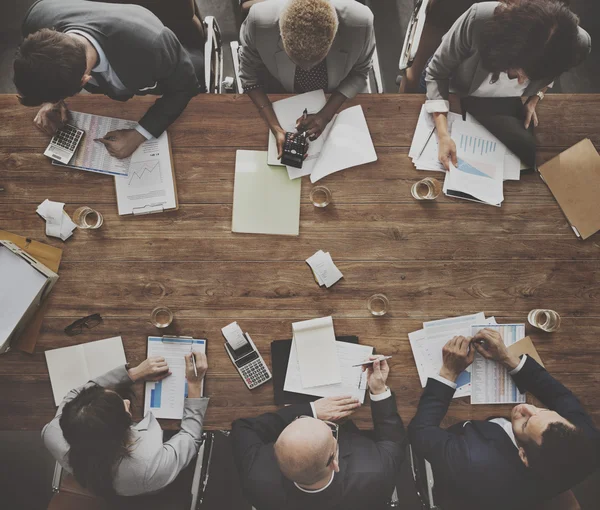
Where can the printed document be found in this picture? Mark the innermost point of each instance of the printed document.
(354, 380)
(72, 367)
(165, 398)
(325, 271)
(491, 383)
(315, 346)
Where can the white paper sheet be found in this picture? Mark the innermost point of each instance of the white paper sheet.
(71, 367)
(58, 222)
(324, 269)
(234, 336)
(353, 382)
(314, 342)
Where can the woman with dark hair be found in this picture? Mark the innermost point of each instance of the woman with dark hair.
(93, 435)
(495, 54)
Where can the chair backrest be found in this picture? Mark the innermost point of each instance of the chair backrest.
(424, 481)
(213, 57)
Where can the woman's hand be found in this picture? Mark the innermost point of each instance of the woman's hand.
(195, 381)
(530, 114)
(279, 134)
(151, 369)
(447, 151)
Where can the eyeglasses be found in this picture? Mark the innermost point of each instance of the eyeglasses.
(335, 431)
(91, 321)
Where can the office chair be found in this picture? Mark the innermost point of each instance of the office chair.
(424, 482)
(213, 57)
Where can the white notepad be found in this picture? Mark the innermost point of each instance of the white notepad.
(314, 342)
(71, 367)
(265, 200)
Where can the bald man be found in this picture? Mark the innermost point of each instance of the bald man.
(301, 457)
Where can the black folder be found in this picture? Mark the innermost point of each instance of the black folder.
(280, 354)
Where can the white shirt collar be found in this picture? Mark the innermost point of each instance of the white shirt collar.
(102, 64)
(314, 491)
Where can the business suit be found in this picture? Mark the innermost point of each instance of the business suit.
(368, 467)
(348, 61)
(147, 56)
(475, 463)
(152, 464)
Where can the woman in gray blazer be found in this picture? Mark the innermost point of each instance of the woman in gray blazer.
(93, 436)
(297, 46)
(503, 50)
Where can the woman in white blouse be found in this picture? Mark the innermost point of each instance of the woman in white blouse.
(507, 50)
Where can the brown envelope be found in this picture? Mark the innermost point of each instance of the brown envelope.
(525, 346)
(50, 257)
(574, 179)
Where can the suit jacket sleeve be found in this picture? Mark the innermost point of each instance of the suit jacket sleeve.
(251, 64)
(176, 78)
(390, 436)
(445, 451)
(358, 78)
(455, 47)
(250, 434)
(535, 379)
(52, 433)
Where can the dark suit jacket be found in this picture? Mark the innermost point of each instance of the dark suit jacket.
(146, 56)
(475, 464)
(368, 467)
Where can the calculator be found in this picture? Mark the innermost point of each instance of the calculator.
(64, 144)
(294, 149)
(245, 356)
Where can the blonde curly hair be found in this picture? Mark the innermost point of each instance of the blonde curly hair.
(308, 28)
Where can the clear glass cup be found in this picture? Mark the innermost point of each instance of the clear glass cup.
(426, 189)
(161, 317)
(546, 320)
(320, 196)
(87, 218)
(378, 305)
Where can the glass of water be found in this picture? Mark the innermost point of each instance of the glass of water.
(426, 189)
(87, 218)
(320, 196)
(161, 317)
(378, 305)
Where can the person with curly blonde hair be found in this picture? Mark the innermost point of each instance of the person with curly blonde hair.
(298, 46)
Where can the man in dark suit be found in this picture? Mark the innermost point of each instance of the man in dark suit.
(502, 464)
(120, 50)
(297, 458)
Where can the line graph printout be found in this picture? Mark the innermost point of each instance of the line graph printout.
(150, 183)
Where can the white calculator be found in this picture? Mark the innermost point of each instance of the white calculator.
(245, 356)
(64, 144)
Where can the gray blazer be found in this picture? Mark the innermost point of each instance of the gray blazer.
(147, 57)
(457, 64)
(152, 464)
(348, 61)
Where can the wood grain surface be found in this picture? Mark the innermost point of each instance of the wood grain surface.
(433, 260)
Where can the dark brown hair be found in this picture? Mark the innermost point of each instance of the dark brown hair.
(97, 428)
(538, 36)
(48, 67)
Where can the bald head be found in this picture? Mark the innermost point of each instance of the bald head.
(303, 449)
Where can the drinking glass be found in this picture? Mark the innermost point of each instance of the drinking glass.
(87, 218)
(320, 196)
(546, 320)
(426, 189)
(378, 305)
(161, 317)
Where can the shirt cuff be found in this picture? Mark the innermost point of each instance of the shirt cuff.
(312, 408)
(144, 133)
(443, 380)
(382, 396)
(437, 106)
(515, 371)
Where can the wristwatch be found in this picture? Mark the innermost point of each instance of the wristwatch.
(540, 94)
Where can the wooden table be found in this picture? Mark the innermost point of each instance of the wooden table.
(432, 260)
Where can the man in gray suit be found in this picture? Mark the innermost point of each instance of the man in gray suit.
(119, 50)
(297, 46)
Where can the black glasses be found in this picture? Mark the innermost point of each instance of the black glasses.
(335, 431)
(91, 321)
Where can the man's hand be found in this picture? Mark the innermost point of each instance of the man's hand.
(151, 369)
(490, 345)
(377, 375)
(457, 355)
(51, 117)
(195, 383)
(313, 124)
(530, 114)
(335, 408)
(122, 143)
(447, 151)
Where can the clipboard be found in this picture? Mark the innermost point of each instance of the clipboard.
(50, 257)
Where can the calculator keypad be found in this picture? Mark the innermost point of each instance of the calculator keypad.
(68, 137)
(254, 373)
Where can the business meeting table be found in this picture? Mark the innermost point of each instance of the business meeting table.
(432, 259)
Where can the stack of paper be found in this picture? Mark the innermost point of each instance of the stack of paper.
(427, 345)
(58, 223)
(325, 271)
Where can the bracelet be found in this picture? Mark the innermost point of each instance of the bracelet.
(540, 94)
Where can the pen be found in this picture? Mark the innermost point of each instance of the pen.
(371, 361)
(304, 114)
(426, 142)
(109, 138)
(194, 362)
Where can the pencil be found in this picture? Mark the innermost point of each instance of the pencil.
(426, 142)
